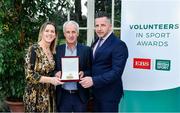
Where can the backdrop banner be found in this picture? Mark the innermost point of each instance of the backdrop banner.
(151, 30)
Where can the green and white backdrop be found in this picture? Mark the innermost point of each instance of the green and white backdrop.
(151, 30)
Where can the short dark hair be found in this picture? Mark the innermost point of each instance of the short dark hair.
(102, 14)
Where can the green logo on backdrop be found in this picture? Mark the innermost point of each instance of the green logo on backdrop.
(163, 65)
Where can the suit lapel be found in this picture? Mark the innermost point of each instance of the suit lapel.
(63, 50)
(78, 48)
(80, 55)
(104, 46)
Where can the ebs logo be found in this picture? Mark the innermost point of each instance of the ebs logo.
(142, 63)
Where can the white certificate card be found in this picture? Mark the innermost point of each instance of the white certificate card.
(70, 69)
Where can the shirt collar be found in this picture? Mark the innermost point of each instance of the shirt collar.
(67, 47)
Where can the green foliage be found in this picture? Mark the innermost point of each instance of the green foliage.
(11, 66)
(11, 54)
(19, 26)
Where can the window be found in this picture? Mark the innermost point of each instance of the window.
(89, 7)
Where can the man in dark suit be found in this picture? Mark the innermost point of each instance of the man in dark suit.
(109, 58)
(71, 96)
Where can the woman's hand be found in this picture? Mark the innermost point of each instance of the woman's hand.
(56, 81)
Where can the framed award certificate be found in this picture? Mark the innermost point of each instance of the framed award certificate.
(70, 69)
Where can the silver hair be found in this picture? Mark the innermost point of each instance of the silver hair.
(71, 22)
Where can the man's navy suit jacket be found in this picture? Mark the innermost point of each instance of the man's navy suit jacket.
(107, 70)
(84, 54)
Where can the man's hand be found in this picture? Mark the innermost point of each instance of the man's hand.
(81, 74)
(58, 74)
(86, 82)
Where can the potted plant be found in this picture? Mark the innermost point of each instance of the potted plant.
(11, 68)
